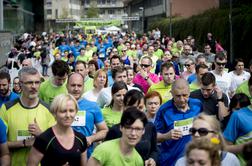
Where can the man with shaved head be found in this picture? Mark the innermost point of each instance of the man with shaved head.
(173, 121)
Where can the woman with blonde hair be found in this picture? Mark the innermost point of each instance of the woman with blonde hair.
(202, 152)
(100, 82)
(60, 144)
(207, 126)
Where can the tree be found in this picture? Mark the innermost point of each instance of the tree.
(65, 13)
(93, 11)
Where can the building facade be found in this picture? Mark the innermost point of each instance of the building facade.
(61, 9)
(150, 10)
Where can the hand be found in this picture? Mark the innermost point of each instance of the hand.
(150, 162)
(143, 73)
(218, 92)
(34, 129)
(89, 141)
(175, 134)
(29, 141)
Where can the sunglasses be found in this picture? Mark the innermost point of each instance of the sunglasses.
(201, 131)
(221, 64)
(187, 65)
(144, 65)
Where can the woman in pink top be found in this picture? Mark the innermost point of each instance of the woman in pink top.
(144, 78)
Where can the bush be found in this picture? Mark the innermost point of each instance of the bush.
(215, 21)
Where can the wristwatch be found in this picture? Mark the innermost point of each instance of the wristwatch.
(220, 100)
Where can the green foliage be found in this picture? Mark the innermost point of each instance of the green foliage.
(93, 11)
(215, 21)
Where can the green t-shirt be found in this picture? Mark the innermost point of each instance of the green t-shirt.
(194, 86)
(119, 48)
(164, 91)
(48, 91)
(243, 88)
(65, 59)
(111, 117)
(109, 154)
(94, 49)
(158, 53)
(89, 54)
(17, 118)
(88, 84)
(83, 58)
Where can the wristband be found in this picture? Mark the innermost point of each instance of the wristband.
(220, 100)
(24, 142)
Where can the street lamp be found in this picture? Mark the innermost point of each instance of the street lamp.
(1, 16)
(142, 9)
(231, 30)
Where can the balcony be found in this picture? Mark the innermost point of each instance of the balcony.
(126, 1)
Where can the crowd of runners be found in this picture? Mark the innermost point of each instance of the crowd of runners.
(124, 100)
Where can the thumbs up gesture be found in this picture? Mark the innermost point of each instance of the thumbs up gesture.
(34, 129)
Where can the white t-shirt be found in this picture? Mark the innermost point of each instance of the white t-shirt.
(223, 82)
(238, 79)
(90, 95)
(104, 98)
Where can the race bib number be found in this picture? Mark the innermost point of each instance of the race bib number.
(101, 56)
(23, 134)
(183, 125)
(80, 119)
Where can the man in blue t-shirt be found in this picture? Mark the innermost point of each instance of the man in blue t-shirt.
(89, 115)
(4, 155)
(5, 92)
(238, 132)
(173, 121)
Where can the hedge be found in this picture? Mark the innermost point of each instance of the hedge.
(215, 21)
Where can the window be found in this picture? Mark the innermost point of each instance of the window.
(113, 1)
(102, 11)
(49, 3)
(111, 11)
(99, 1)
(87, 2)
(49, 11)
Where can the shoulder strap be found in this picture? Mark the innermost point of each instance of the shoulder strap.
(223, 155)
